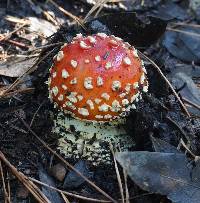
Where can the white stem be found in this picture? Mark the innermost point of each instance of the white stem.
(90, 141)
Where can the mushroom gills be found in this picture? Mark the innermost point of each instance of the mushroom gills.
(90, 141)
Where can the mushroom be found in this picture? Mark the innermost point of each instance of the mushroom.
(97, 80)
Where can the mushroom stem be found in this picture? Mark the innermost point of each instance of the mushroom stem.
(90, 140)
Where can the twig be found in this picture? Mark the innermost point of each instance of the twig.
(100, 8)
(167, 81)
(45, 13)
(191, 103)
(181, 140)
(18, 129)
(187, 24)
(78, 20)
(31, 123)
(126, 186)
(9, 194)
(187, 149)
(67, 163)
(181, 181)
(67, 193)
(178, 127)
(117, 172)
(50, 18)
(10, 33)
(4, 185)
(98, 4)
(22, 56)
(64, 198)
(16, 20)
(184, 32)
(18, 44)
(45, 46)
(35, 191)
(9, 94)
(35, 32)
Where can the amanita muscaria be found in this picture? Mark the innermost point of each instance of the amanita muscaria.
(96, 79)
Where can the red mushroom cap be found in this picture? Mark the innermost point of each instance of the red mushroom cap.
(97, 78)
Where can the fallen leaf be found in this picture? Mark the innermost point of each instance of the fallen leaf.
(162, 146)
(169, 10)
(41, 26)
(182, 81)
(73, 180)
(15, 66)
(52, 195)
(195, 7)
(165, 173)
(183, 43)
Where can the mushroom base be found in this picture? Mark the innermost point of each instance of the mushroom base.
(90, 141)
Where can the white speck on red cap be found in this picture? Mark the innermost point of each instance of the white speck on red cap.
(102, 35)
(72, 98)
(99, 81)
(90, 103)
(74, 63)
(99, 116)
(54, 74)
(55, 90)
(115, 106)
(97, 101)
(97, 58)
(73, 81)
(145, 89)
(64, 86)
(61, 97)
(87, 61)
(108, 65)
(88, 83)
(92, 40)
(128, 87)
(135, 85)
(104, 107)
(65, 74)
(105, 95)
(127, 60)
(83, 45)
(80, 97)
(116, 85)
(142, 79)
(60, 56)
(125, 102)
(83, 111)
(135, 53)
